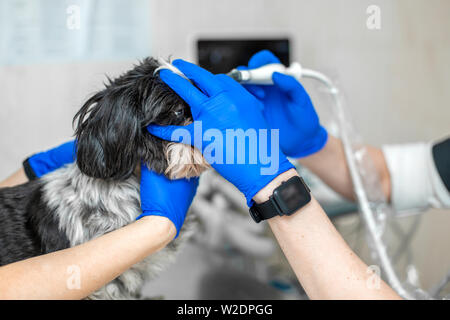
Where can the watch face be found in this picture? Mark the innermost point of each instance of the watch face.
(291, 195)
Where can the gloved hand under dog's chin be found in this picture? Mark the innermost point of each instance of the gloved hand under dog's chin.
(158, 192)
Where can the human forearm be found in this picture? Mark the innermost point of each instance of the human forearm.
(324, 264)
(15, 179)
(330, 165)
(98, 262)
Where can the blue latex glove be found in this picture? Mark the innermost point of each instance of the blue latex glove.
(166, 198)
(219, 103)
(287, 107)
(42, 163)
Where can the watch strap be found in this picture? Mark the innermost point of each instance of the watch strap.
(29, 172)
(264, 211)
(270, 208)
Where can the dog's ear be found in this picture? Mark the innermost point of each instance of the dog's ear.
(109, 134)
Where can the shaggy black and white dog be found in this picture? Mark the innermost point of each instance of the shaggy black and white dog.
(100, 192)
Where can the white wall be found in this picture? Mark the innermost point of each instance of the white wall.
(395, 78)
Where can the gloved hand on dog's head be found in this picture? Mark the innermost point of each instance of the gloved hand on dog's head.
(222, 107)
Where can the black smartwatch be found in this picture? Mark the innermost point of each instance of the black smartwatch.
(286, 199)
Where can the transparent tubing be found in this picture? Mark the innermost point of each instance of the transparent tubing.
(363, 200)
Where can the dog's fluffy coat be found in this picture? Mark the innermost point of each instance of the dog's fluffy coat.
(100, 192)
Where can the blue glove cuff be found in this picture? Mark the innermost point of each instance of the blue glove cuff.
(42, 163)
(177, 222)
(265, 180)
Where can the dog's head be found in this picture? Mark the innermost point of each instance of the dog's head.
(111, 128)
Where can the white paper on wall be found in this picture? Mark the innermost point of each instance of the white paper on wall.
(64, 30)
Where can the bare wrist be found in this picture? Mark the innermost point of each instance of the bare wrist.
(161, 225)
(264, 194)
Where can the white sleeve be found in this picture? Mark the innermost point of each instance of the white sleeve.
(415, 182)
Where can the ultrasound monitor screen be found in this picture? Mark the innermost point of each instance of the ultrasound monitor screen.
(221, 56)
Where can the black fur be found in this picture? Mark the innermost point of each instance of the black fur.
(112, 140)
(111, 125)
(28, 228)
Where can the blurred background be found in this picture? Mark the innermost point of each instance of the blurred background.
(55, 53)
